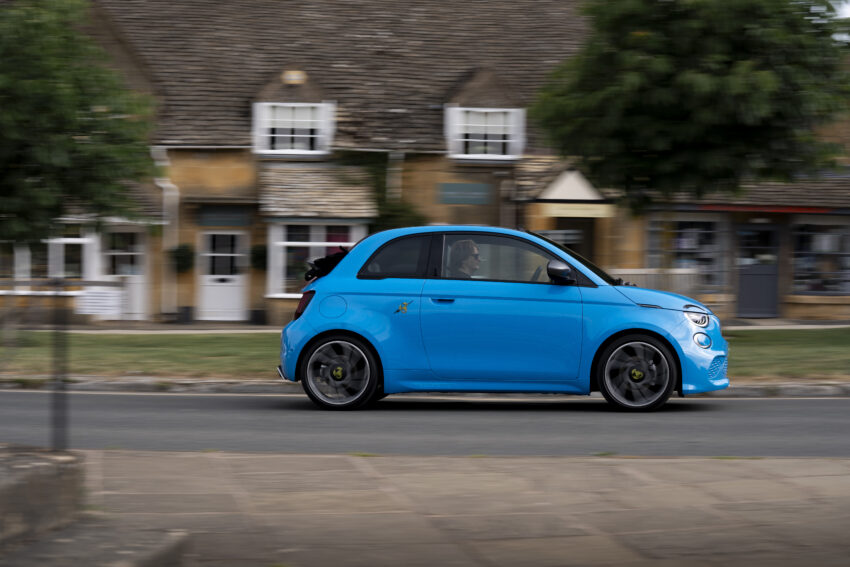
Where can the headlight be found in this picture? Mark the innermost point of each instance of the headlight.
(698, 319)
(702, 340)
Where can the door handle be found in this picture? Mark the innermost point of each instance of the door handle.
(442, 299)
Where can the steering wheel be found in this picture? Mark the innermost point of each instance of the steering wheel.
(536, 274)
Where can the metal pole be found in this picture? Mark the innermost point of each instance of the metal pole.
(59, 405)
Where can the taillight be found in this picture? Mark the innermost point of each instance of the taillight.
(302, 305)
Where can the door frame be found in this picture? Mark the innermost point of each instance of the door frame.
(777, 232)
(143, 281)
(201, 259)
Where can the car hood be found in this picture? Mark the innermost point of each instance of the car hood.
(662, 299)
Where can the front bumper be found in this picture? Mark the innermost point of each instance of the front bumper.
(704, 369)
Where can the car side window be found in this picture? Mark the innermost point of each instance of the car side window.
(486, 257)
(404, 257)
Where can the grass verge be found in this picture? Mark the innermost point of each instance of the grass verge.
(754, 355)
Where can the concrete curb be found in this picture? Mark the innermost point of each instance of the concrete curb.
(784, 389)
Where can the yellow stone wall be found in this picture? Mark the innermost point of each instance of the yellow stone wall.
(823, 307)
(421, 179)
(220, 173)
(620, 240)
(215, 177)
(279, 311)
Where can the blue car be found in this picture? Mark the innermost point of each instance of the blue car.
(484, 309)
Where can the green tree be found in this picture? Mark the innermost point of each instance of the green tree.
(71, 135)
(697, 95)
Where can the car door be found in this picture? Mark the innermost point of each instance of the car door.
(505, 322)
(386, 300)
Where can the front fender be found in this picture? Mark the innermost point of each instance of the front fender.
(608, 313)
(701, 369)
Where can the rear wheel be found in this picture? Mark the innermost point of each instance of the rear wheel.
(340, 372)
(637, 373)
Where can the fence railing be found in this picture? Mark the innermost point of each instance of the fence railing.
(90, 297)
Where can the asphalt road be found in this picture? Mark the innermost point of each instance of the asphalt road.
(558, 426)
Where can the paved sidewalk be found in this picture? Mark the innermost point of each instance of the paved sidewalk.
(350, 510)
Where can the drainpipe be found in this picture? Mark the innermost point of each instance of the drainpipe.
(170, 232)
(506, 199)
(395, 161)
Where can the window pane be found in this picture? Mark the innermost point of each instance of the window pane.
(485, 132)
(295, 268)
(223, 266)
(73, 261)
(7, 260)
(222, 244)
(336, 234)
(822, 259)
(124, 264)
(493, 258)
(294, 127)
(38, 260)
(297, 233)
(124, 242)
(400, 258)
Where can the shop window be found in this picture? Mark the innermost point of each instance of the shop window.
(696, 245)
(821, 259)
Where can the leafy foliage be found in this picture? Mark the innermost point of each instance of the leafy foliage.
(391, 213)
(183, 257)
(697, 95)
(71, 135)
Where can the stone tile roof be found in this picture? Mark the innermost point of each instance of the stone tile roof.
(316, 190)
(146, 199)
(830, 191)
(533, 174)
(389, 65)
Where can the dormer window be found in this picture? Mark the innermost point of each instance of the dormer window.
(293, 128)
(485, 133)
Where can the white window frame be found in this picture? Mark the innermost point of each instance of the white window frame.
(277, 247)
(457, 132)
(55, 247)
(241, 254)
(262, 122)
(108, 253)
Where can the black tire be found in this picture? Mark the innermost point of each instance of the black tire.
(637, 373)
(340, 372)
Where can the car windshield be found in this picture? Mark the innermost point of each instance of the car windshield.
(610, 280)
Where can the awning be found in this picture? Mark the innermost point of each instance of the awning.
(316, 191)
(571, 195)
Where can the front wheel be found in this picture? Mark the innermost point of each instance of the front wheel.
(340, 372)
(637, 373)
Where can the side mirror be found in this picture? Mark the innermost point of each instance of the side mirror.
(560, 272)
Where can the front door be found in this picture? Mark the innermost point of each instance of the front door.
(124, 260)
(758, 271)
(494, 316)
(223, 281)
